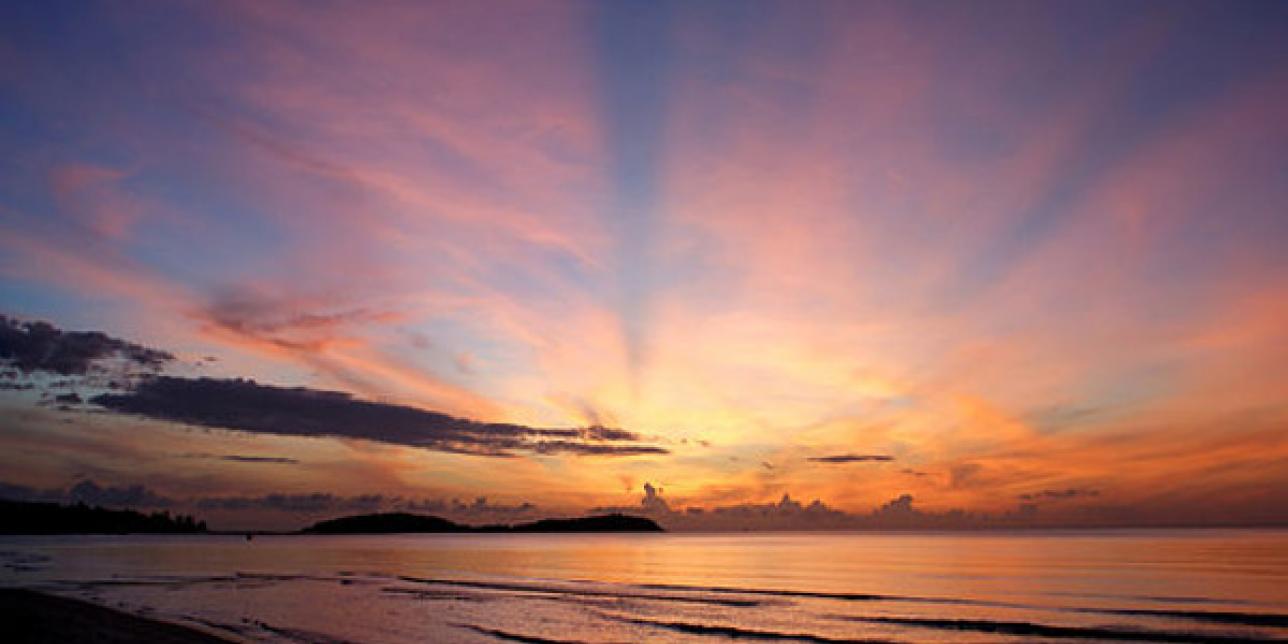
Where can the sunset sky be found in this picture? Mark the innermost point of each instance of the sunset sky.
(1016, 259)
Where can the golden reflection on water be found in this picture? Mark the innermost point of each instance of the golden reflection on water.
(1233, 564)
(1200, 563)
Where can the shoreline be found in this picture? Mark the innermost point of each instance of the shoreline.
(34, 617)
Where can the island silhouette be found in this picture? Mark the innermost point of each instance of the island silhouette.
(22, 517)
(402, 522)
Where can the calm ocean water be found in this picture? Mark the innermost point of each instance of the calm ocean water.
(1165, 586)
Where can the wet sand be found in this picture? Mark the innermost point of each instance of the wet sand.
(30, 617)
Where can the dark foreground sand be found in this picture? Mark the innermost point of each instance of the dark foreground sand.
(30, 617)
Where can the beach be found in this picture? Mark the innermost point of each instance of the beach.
(33, 617)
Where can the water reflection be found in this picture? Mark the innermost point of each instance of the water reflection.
(1151, 585)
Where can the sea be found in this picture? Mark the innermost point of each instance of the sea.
(1098, 586)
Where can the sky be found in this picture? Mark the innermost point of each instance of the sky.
(928, 263)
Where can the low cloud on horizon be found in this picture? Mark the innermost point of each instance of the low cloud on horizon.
(283, 508)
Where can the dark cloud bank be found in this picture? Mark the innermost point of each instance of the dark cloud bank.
(29, 348)
(245, 405)
(244, 458)
(852, 458)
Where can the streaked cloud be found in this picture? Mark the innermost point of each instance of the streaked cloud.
(246, 458)
(1058, 495)
(852, 458)
(244, 405)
